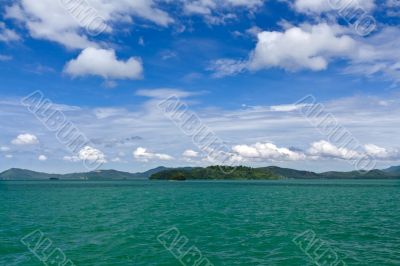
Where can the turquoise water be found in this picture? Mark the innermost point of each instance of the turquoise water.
(231, 223)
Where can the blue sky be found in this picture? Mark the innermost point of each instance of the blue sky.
(237, 64)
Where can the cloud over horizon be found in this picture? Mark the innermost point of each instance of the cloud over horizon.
(255, 123)
(142, 154)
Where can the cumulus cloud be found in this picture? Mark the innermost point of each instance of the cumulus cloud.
(87, 154)
(7, 35)
(91, 154)
(25, 139)
(314, 47)
(319, 6)
(42, 158)
(104, 63)
(9, 156)
(382, 153)
(326, 149)
(143, 154)
(190, 154)
(320, 150)
(376, 150)
(66, 20)
(243, 125)
(267, 151)
(305, 47)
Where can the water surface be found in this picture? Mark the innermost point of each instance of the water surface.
(231, 223)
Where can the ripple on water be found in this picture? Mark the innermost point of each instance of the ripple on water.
(232, 223)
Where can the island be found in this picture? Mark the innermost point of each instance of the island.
(203, 173)
(217, 173)
(267, 173)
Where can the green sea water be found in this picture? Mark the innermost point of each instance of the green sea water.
(230, 223)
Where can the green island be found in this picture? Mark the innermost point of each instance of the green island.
(217, 173)
(267, 173)
(203, 173)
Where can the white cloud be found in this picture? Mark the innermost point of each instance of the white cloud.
(4, 148)
(382, 153)
(91, 154)
(304, 47)
(375, 150)
(313, 47)
(25, 139)
(87, 154)
(9, 156)
(42, 158)
(144, 155)
(324, 149)
(190, 154)
(51, 20)
(319, 6)
(104, 63)
(320, 150)
(361, 115)
(267, 151)
(7, 35)
(328, 150)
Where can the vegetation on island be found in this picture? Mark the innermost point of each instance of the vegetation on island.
(199, 173)
(267, 173)
(216, 173)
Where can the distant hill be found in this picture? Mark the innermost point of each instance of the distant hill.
(267, 173)
(373, 174)
(297, 174)
(393, 170)
(199, 173)
(290, 173)
(100, 175)
(23, 174)
(150, 172)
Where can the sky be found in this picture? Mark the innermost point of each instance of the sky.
(239, 66)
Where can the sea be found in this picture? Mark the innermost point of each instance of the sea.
(202, 223)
